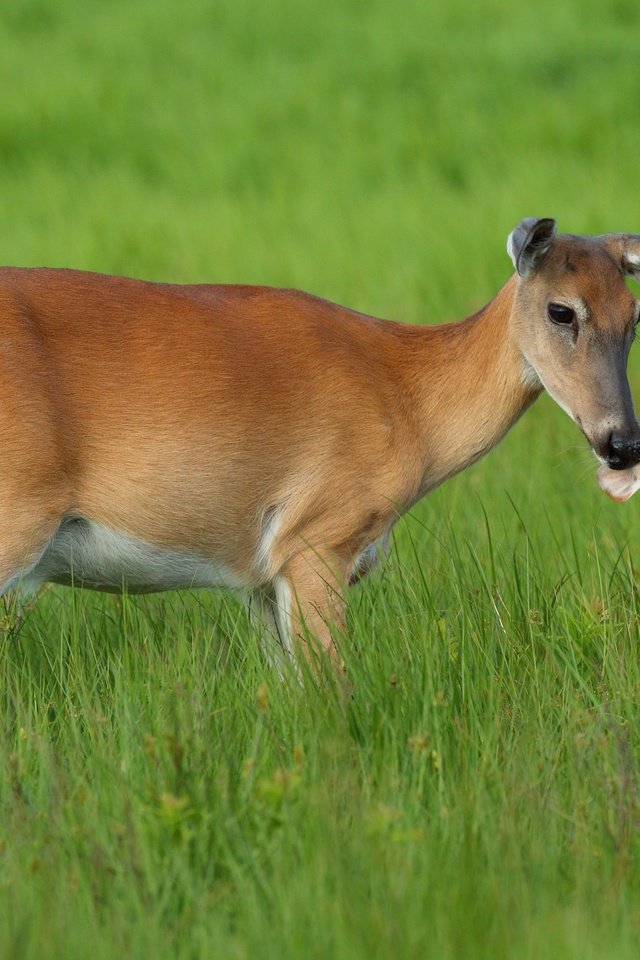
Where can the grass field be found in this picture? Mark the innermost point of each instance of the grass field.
(162, 795)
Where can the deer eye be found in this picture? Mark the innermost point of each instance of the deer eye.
(558, 313)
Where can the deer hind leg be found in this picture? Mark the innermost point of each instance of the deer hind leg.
(310, 603)
(24, 536)
(23, 540)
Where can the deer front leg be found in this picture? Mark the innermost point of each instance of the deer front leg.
(309, 606)
(260, 604)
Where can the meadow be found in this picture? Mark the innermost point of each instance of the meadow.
(162, 793)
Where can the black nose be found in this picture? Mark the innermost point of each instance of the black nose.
(623, 450)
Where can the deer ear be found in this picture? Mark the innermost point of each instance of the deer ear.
(631, 261)
(529, 242)
(625, 247)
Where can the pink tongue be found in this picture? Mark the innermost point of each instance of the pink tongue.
(619, 484)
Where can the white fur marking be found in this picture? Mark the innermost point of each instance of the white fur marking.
(579, 307)
(87, 554)
(619, 484)
(270, 530)
(530, 378)
(261, 609)
(283, 613)
(369, 558)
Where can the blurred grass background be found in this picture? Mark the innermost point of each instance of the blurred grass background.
(161, 794)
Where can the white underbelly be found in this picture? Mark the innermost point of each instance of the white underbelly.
(87, 554)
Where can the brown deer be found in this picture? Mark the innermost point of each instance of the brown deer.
(158, 436)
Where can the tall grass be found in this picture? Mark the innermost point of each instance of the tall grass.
(162, 794)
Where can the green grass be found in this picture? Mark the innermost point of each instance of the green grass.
(162, 795)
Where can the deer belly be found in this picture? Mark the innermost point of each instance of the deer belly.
(85, 553)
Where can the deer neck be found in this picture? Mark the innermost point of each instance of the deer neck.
(469, 384)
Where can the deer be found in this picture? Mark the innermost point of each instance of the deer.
(161, 436)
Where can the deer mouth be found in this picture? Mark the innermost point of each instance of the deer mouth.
(620, 485)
